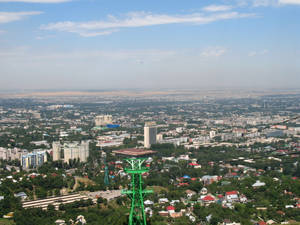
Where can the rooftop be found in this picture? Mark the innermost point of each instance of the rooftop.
(134, 152)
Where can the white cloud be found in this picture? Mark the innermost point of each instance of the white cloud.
(94, 34)
(217, 8)
(137, 19)
(291, 2)
(214, 52)
(6, 17)
(36, 1)
(256, 53)
(274, 3)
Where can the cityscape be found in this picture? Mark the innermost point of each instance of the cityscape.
(213, 160)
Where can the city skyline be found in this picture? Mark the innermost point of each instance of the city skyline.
(65, 44)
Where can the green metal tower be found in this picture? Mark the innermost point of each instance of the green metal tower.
(106, 177)
(136, 194)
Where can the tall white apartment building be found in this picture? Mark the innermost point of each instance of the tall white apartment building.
(150, 133)
(11, 153)
(70, 150)
(103, 120)
(56, 150)
(212, 134)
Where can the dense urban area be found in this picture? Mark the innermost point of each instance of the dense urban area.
(210, 160)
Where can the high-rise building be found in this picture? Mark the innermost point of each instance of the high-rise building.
(103, 120)
(70, 150)
(149, 135)
(33, 159)
(212, 134)
(56, 151)
(11, 153)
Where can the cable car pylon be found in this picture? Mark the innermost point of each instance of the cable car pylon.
(137, 214)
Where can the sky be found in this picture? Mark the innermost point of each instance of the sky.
(109, 44)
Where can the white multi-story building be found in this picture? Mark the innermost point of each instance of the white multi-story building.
(3, 153)
(150, 133)
(174, 141)
(159, 137)
(11, 153)
(56, 150)
(103, 120)
(70, 150)
(212, 134)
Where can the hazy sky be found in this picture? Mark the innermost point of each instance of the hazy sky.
(55, 44)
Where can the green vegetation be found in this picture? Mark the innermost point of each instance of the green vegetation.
(7, 222)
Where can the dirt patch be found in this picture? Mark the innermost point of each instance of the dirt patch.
(84, 180)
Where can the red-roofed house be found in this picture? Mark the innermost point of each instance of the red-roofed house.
(220, 196)
(211, 163)
(208, 199)
(231, 193)
(119, 166)
(262, 223)
(232, 196)
(170, 209)
(195, 165)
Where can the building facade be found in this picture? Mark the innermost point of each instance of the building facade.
(71, 150)
(103, 120)
(11, 153)
(150, 133)
(33, 159)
